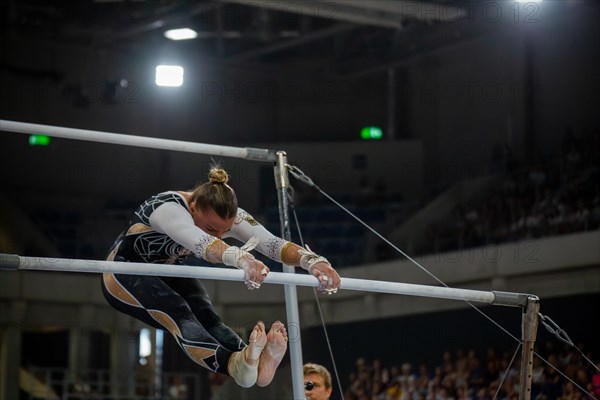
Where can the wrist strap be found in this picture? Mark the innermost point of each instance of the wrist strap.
(232, 255)
(309, 258)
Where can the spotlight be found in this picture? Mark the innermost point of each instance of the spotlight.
(169, 75)
(181, 34)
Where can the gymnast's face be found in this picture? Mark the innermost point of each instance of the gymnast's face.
(210, 222)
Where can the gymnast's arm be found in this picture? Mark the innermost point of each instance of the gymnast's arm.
(289, 253)
(175, 221)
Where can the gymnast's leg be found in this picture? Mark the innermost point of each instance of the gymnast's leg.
(197, 297)
(151, 300)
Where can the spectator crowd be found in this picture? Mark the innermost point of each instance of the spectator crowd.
(469, 375)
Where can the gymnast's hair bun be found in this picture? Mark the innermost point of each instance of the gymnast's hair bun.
(218, 175)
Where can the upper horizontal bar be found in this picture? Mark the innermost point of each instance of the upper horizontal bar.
(15, 262)
(247, 153)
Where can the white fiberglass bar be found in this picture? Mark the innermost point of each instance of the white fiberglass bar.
(139, 141)
(15, 262)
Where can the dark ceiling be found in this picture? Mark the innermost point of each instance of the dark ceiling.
(336, 38)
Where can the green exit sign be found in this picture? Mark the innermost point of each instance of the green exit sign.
(371, 133)
(39, 140)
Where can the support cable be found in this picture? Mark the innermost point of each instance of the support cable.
(546, 321)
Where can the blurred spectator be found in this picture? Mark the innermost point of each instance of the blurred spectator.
(546, 199)
(465, 378)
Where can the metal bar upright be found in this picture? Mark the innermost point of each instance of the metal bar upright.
(529, 327)
(282, 183)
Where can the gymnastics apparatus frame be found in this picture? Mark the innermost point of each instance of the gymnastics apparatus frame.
(528, 303)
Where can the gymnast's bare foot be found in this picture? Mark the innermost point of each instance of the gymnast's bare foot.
(256, 344)
(272, 355)
(243, 365)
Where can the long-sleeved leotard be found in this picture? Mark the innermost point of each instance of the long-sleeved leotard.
(162, 231)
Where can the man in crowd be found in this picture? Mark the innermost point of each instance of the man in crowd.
(317, 382)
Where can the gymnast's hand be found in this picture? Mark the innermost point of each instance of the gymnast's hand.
(329, 279)
(320, 267)
(255, 271)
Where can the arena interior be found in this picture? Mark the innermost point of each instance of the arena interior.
(461, 137)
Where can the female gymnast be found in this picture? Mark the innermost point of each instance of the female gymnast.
(168, 227)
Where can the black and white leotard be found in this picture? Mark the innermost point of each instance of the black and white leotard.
(162, 231)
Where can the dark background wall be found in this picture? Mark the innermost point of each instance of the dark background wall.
(524, 85)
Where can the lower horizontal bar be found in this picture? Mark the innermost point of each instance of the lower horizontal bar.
(14, 262)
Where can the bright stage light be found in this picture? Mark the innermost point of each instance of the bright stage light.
(181, 34)
(169, 75)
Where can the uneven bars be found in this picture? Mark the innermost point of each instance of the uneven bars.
(16, 262)
(247, 153)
